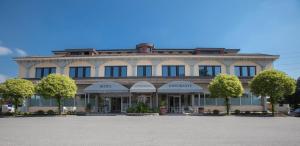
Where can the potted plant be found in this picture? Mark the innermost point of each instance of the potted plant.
(163, 108)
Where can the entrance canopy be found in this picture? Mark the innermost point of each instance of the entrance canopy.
(179, 87)
(143, 87)
(106, 87)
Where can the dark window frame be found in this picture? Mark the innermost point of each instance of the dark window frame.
(213, 70)
(111, 75)
(240, 68)
(144, 70)
(177, 67)
(84, 71)
(51, 70)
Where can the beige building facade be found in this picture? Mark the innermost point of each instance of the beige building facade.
(105, 78)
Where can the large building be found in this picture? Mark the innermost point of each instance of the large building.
(113, 80)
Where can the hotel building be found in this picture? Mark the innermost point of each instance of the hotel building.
(113, 80)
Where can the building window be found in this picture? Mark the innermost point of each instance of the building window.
(41, 72)
(245, 71)
(115, 71)
(80, 72)
(144, 71)
(173, 71)
(209, 71)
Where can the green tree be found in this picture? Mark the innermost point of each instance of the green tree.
(58, 87)
(294, 99)
(272, 83)
(2, 90)
(226, 86)
(16, 90)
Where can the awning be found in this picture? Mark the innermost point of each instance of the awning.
(106, 87)
(179, 87)
(143, 87)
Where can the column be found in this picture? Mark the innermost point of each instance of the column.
(85, 99)
(227, 64)
(129, 99)
(199, 101)
(157, 103)
(62, 65)
(97, 67)
(28, 66)
(204, 100)
(193, 100)
(96, 103)
(154, 67)
(134, 70)
(216, 101)
(122, 104)
(74, 101)
(96, 64)
(192, 70)
(133, 66)
(240, 101)
(251, 100)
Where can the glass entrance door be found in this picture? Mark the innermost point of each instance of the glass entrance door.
(115, 105)
(174, 104)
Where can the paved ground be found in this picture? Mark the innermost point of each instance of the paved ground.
(150, 131)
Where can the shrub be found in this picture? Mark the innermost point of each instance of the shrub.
(17, 113)
(8, 114)
(237, 112)
(131, 110)
(40, 112)
(70, 113)
(216, 112)
(50, 112)
(141, 107)
(247, 112)
(26, 114)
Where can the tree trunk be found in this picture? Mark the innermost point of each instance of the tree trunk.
(58, 99)
(273, 106)
(16, 105)
(273, 109)
(227, 105)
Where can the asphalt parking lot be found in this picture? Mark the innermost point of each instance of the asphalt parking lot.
(150, 131)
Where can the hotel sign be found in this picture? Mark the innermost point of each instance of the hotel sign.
(105, 86)
(180, 85)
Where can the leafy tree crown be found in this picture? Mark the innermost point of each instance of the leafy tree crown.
(55, 85)
(225, 86)
(17, 88)
(272, 83)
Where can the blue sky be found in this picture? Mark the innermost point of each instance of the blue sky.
(35, 27)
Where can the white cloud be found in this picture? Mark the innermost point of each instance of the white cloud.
(21, 52)
(5, 51)
(3, 78)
